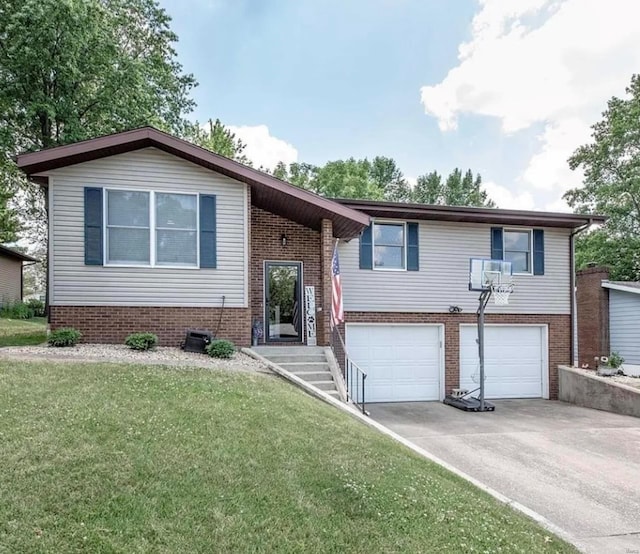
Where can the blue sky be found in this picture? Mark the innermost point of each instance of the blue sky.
(334, 79)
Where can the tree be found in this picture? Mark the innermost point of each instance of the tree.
(218, 139)
(388, 178)
(611, 165)
(75, 69)
(456, 190)
(9, 223)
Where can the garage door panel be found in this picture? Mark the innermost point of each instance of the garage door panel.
(513, 361)
(402, 362)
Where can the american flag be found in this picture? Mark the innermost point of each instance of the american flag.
(337, 310)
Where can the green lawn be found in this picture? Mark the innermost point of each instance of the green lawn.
(19, 332)
(118, 458)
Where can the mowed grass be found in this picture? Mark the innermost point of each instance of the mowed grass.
(120, 458)
(18, 332)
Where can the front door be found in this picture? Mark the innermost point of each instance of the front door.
(283, 301)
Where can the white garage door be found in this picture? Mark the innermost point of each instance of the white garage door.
(515, 360)
(402, 362)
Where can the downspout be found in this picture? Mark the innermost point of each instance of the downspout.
(574, 308)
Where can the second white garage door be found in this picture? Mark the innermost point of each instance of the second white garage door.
(402, 362)
(515, 360)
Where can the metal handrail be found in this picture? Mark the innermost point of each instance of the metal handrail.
(355, 377)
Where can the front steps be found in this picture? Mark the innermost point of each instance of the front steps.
(306, 362)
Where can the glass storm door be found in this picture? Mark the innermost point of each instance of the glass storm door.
(283, 301)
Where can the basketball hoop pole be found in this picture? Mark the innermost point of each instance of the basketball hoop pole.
(484, 298)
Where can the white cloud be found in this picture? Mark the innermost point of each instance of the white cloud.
(263, 149)
(507, 199)
(549, 62)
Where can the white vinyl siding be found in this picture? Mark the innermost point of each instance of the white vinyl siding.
(74, 283)
(10, 279)
(443, 279)
(624, 325)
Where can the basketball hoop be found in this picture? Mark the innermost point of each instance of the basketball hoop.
(501, 293)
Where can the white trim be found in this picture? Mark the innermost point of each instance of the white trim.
(373, 243)
(152, 229)
(246, 228)
(521, 230)
(441, 337)
(622, 288)
(544, 348)
(50, 260)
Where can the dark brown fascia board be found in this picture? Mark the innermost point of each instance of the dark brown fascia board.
(471, 214)
(10, 253)
(61, 156)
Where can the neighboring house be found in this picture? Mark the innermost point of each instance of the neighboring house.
(152, 233)
(608, 318)
(11, 278)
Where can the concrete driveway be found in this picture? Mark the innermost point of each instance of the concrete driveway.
(577, 467)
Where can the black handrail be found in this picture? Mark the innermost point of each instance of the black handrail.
(355, 377)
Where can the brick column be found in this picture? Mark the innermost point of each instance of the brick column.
(592, 301)
(326, 253)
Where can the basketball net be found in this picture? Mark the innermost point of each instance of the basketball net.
(501, 293)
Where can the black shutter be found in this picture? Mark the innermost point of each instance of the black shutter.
(366, 248)
(497, 249)
(538, 252)
(93, 215)
(413, 250)
(208, 230)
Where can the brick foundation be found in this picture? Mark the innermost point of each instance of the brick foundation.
(592, 303)
(559, 336)
(111, 324)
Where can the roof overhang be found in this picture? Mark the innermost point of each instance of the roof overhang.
(14, 254)
(267, 192)
(635, 288)
(398, 210)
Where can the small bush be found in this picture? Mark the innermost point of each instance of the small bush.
(36, 306)
(615, 360)
(64, 337)
(16, 310)
(141, 341)
(221, 349)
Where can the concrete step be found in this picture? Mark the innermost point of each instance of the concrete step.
(304, 366)
(323, 385)
(286, 359)
(268, 351)
(314, 375)
(334, 393)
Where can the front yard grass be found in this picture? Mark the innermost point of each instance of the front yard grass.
(22, 332)
(122, 458)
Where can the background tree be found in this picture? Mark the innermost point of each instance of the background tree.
(611, 164)
(218, 139)
(75, 69)
(456, 190)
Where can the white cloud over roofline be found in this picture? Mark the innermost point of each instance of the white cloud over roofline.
(262, 148)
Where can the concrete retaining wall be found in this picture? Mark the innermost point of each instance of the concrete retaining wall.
(600, 393)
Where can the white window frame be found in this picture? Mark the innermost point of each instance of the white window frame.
(373, 244)
(152, 229)
(504, 249)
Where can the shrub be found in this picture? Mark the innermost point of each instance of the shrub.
(220, 349)
(615, 360)
(64, 337)
(37, 307)
(141, 341)
(16, 310)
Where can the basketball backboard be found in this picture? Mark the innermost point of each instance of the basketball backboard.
(484, 273)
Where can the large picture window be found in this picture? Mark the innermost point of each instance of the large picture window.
(517, 250)
(389, 242)
(151, 228)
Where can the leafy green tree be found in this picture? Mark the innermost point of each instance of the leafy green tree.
(218, 139)
(9, 222)
(428, 189)
(76, 69)
(611, 165)
(457, 189)
(388, 178)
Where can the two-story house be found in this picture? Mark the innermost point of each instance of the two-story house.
(148, 232)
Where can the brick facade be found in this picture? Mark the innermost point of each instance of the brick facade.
(559, 336)
(592, 305)
(303, 245)
(111, 324)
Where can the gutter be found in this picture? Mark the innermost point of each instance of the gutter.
(572, 286)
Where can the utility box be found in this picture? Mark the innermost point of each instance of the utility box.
(197, 340)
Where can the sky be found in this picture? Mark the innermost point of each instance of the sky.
(508, 88)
